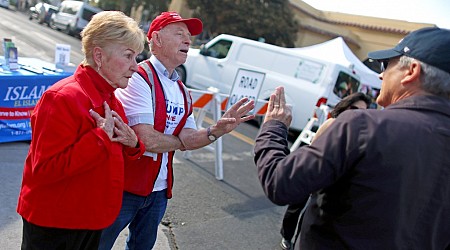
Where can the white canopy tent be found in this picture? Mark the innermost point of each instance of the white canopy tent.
(337, 51)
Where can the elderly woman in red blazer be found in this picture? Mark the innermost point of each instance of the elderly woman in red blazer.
(73, 177)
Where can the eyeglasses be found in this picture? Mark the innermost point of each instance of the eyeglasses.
(384, 64)
(353, 107)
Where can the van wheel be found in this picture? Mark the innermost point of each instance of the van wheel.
(260, 118)
(52, 25)
(182, 73)
(67, 30)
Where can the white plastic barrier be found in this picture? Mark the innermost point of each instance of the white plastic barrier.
(307, 135)
(214, 103)
(321, 114)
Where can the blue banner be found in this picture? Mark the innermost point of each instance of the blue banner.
(19, 93)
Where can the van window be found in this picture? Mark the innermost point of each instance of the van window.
(220, 49)
(70, 9)
(345, 85)
(297, 67)
(373, 93)
(87, 14)
(309, 70)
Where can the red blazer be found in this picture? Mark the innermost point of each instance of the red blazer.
(73, 175)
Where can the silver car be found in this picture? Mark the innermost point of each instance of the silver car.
(42, 12)
(4, 3)
(73, 16)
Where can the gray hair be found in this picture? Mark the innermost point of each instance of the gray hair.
(150, 45)
(434, 80)
(150, 40)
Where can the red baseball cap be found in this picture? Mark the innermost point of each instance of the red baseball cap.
(194, 25)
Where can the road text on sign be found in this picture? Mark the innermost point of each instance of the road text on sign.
(246, 84)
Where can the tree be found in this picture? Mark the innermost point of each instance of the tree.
(153, 7)
(271, 20)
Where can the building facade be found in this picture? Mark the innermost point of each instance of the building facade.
(361, 33)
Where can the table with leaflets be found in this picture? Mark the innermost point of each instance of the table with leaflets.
(19, 92)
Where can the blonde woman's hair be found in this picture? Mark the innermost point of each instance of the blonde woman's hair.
(108, 27)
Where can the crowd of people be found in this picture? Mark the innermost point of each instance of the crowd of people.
(103, 143)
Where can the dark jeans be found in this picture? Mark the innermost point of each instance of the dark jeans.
(292, 220)
(142, 215)
(35, 237)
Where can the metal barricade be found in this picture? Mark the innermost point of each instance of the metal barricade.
(212, 102)
(321, 114)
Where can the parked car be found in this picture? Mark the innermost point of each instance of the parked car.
(73, 16)
(4, 3)
(42, 12)
(145, 54)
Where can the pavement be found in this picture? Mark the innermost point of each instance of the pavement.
(204, 213)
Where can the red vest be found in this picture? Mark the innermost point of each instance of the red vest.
(140, 175)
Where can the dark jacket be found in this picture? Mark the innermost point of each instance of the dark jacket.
(380, 179)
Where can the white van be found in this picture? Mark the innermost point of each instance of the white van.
(73, 16)
(308, 82)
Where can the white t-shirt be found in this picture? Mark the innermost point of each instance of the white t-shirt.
(137, 102)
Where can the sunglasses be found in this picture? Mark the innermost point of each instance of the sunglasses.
(383, 64)
(353, 107)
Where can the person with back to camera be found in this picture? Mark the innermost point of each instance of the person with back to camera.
(293, 217)
(159, 108)
(354, 101)
(378, 178)
(73, 177)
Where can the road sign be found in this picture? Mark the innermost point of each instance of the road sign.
(247, 83)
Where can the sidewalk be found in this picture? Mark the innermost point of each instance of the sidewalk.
(162, 241)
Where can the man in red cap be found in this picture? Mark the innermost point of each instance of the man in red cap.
(159, 109)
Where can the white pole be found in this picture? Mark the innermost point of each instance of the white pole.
(218, 144)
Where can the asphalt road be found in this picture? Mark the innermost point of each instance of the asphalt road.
(204, 213)
(35, 40)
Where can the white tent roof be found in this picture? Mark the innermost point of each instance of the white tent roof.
(337, 51)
